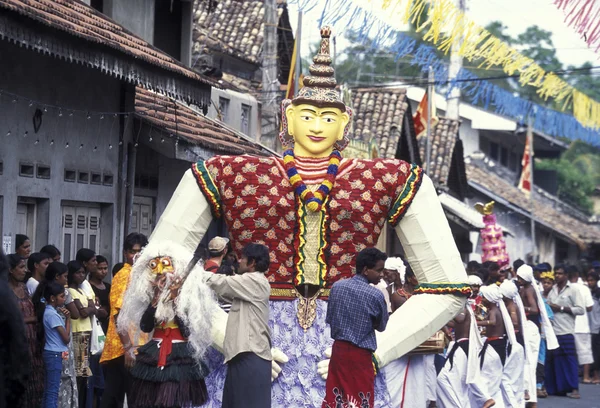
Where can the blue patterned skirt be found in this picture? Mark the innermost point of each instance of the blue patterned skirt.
(298, 384)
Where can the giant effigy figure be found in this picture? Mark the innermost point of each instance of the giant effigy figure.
(316, 210)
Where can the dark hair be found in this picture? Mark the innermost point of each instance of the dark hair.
(84, 255)
(20, 240)
(484, 274)
(409, 272)
(259, 254)
(517, 264)
(227, 267)
(201, 252)
(73, 267)
(51, 250)
(55, 269)
(594, 275)
(100, 259)
(368, 258)
(561, 266)
(45, 290)
(36, 258)
(133, 239)
(473, 266)
(14, 260)
(572, 271)
(493, 267)
(117, 268)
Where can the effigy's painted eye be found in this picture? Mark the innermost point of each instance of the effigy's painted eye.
(166, 261)
(153, 264)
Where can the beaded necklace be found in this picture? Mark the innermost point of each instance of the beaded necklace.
(314, 201)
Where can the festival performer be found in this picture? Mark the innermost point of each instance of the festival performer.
(316, 211)
(498, 328)
(537, 318)
(167, 299)
(355, 311)
(513, 390)
(459, 383)
(475, 299)
(393, 276)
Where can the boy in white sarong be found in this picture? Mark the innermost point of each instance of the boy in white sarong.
(537, 317)
(459, 383)
(498, 327)
(513, 388)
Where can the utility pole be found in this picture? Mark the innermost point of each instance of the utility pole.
(298, 68)
(270, 82)
(430, 91)
(453, 100)
(531, 199)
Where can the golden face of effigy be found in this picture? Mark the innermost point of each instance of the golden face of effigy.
(315, 130)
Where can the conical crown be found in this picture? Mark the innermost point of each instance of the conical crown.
(319, 86)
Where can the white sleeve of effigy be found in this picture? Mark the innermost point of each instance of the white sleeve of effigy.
(431, 252)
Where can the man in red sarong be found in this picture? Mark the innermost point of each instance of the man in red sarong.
(356, 309)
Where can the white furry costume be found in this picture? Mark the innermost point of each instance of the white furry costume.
(170, 369)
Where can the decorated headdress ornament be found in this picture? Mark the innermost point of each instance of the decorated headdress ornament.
(525, 272)
(319, 90)
(493, 244)
(547, 275)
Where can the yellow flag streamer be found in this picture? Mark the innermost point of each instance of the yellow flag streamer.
(446, 26)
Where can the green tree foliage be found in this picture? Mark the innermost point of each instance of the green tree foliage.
(578, 171)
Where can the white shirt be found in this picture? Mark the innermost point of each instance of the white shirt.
(581, 321)
(32, 285)
(382, 286)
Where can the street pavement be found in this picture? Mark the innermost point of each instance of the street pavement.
(590, 398)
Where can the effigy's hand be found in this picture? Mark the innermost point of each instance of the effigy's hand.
(278, 357)
(323, 365)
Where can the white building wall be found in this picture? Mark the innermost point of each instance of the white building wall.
(233, 117)
(42, 78)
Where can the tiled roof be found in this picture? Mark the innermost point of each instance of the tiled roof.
(234, 27)
(379, 113)
(84, 22)
(177, 119)
(443, 142)
(570, 227)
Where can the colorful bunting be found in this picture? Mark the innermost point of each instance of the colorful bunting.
(474, 90)
(446, 26)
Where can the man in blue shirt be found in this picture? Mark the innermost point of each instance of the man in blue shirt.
(355, 310)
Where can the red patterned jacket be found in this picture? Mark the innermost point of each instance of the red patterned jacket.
(260, 206)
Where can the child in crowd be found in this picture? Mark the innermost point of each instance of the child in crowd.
(56, 338)
(57, 273)
(82, 327)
